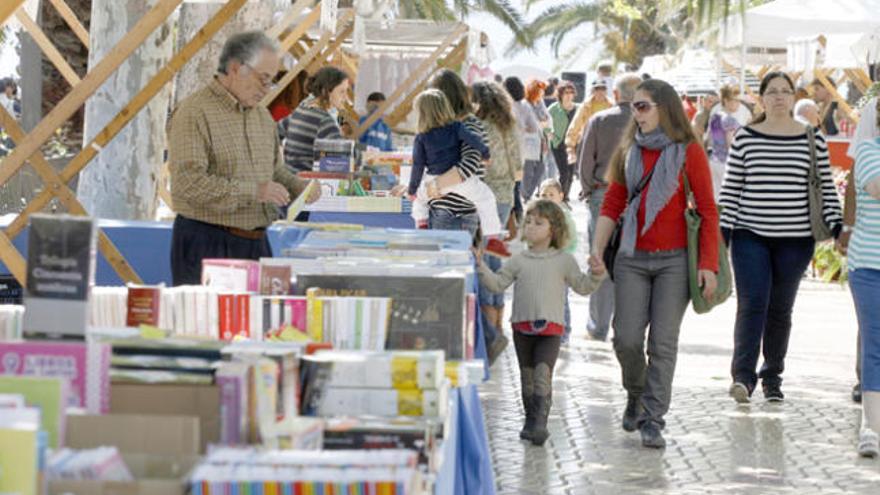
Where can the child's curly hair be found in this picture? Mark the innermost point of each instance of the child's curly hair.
(550, 211)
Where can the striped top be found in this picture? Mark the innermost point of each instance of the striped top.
(765, 186)
(470, 165)
(864, 247)
(307, 123)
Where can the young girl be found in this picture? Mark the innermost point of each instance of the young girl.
(551, 190)
(437, 149)
(541, 274)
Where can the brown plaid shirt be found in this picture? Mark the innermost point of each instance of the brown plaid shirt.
(219, 153)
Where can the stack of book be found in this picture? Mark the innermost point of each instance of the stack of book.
(11, 321)
(387, 384)
(385, 472)
(100, 464)
(23, 441)
(346, 322)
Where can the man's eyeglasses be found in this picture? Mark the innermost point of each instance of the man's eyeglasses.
(266, 80)
(643, 106)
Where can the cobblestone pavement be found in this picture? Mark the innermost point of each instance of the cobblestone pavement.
(805, 445)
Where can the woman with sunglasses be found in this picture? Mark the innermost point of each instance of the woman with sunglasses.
(767, 219)
(658, 151)
(562, 112)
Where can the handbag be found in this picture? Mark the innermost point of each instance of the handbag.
(820, 229)
(613, 246)
(725, 279)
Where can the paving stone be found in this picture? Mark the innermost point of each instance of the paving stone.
(804, 446)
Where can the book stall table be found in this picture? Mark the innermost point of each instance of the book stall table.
(241, 377)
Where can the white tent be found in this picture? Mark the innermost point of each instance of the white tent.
(769, 26)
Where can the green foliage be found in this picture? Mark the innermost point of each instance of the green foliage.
(440, 10)
(829, 264)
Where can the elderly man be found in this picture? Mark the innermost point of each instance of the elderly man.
(807, 111)
(228, 179)
(604, 132)
(597, 102)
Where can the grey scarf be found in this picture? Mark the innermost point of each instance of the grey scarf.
(663, 184)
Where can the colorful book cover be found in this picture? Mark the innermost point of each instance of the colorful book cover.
(232, 380)
(47, 394)
(231, 274)
(143, 306)
(19, 460)
(275, 280)
(86, 367)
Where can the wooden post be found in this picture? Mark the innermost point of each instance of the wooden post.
(159, 80)
(74, 100)
(422, 68)
(70, 18)
(68, 199)
(323, 57)
(48, 48)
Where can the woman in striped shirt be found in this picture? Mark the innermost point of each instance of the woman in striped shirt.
(314, 118)
(864, 280)
(767, 218)
(452, 211)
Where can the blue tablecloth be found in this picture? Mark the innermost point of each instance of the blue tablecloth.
(467, 465)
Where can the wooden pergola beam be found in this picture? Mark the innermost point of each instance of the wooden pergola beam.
(71, 103)
(128, 113)
(823, 78)
(324, 56)
(48, 48)
(70, 18)
(419, 72)
(278, 29)
(68, 199)
(455, 57)
(301, 29)
(7, 8)
(306, 59)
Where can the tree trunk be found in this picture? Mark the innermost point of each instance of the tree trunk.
(120, 182)
(54, 86)
(256, 14)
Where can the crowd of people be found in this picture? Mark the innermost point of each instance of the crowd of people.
(494, 154)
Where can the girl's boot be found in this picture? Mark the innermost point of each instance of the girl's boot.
(527, 383)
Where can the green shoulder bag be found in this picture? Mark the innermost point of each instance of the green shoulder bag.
(725, 278)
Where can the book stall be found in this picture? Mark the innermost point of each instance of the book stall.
(347, 364)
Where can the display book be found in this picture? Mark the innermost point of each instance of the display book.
(25, 417)
(427, 280)
(247, 299)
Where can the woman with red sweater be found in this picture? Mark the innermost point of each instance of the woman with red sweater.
(651, 270)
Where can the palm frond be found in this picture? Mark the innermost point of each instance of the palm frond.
(557, 21)
(510, 16)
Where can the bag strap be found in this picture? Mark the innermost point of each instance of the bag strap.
(811, 137)
(690, 201)
(641, 185)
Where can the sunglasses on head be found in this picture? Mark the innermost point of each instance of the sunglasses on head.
(643, 106)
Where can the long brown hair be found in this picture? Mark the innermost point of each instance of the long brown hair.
(455, 90)
(673, 122)
(552, 212)
(495, 106)
(324, 82)
(777, 74)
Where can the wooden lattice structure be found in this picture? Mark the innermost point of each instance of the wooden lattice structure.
(27, 150)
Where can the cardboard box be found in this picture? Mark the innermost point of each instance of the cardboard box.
(155, 475)
(135, 433)
(201, 401)
(160, 451)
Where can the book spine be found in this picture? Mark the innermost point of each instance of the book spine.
(230, 408)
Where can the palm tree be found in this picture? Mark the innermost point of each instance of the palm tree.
(629, 29)
(438, 10)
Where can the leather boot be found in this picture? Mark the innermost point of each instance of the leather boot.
(541, 401)
(542, 412)
(527, 383)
